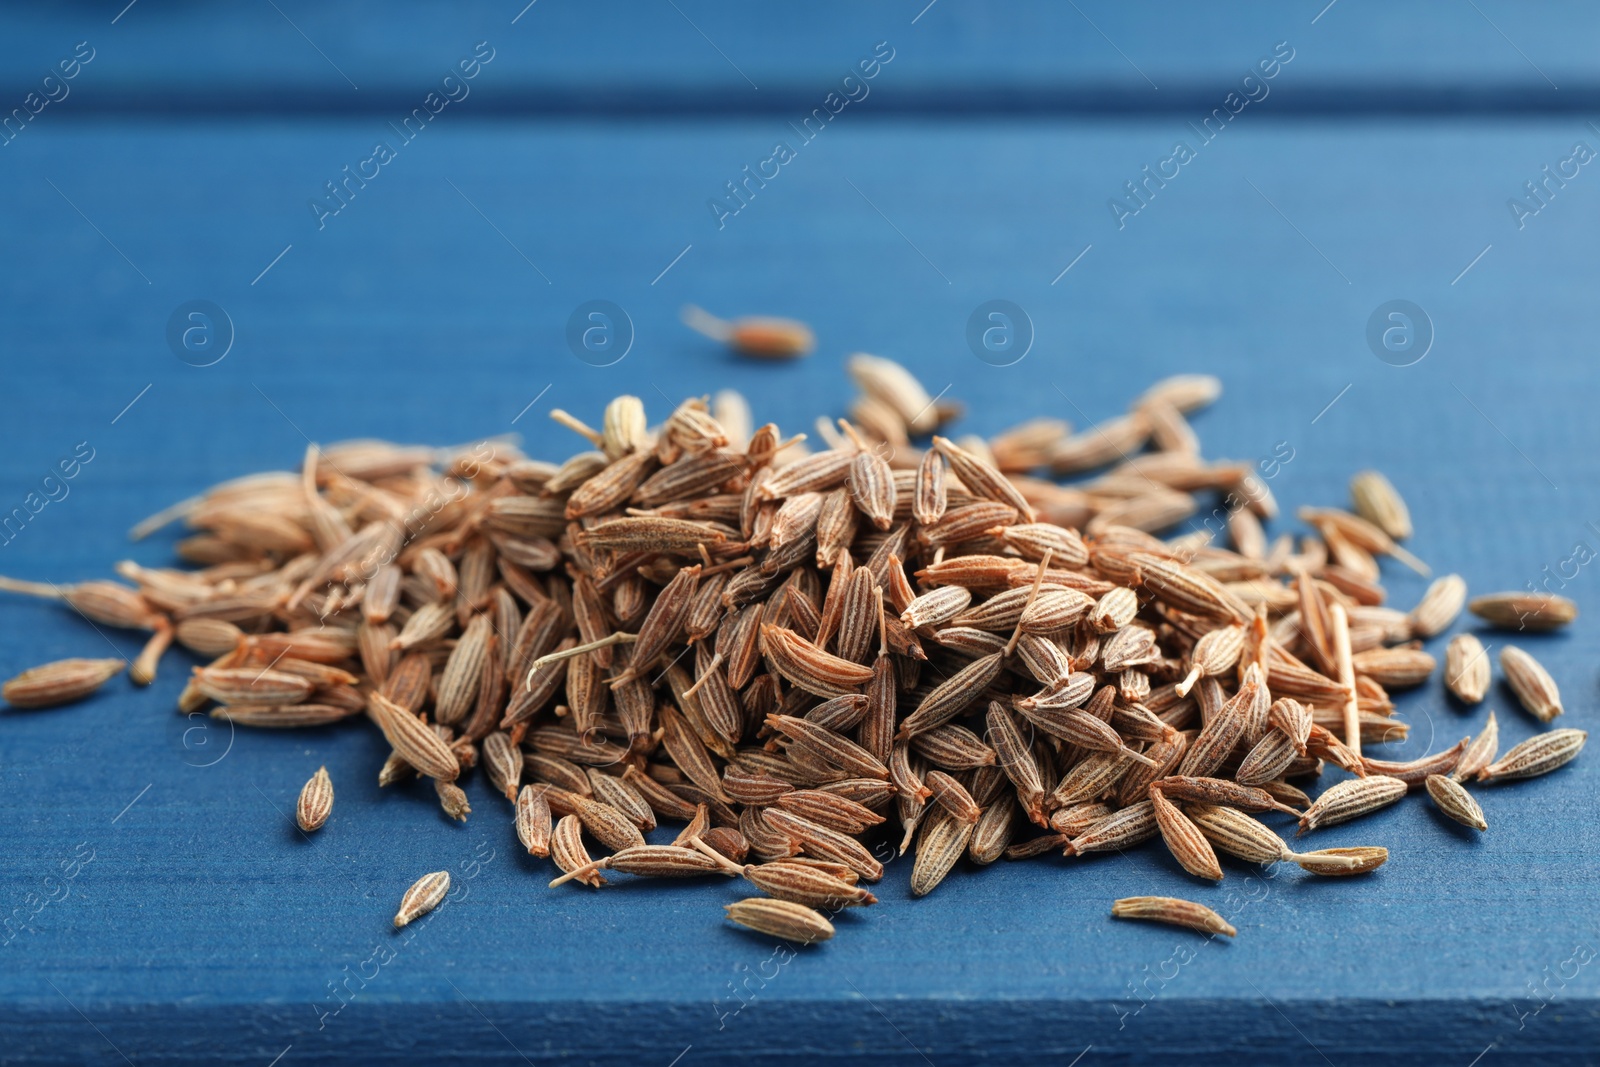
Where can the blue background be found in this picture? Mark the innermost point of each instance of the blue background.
(433, 308)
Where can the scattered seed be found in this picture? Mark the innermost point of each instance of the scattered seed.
(1524, 611)
(780, 918)
(316, 801)
(1466, 668)
(1531, 682)
(425, 894)
(1174, 912)
(60, 682)
(1452, 798)
(1538, 755)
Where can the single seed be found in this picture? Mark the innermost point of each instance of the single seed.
(427, 893)
(780, 918)
(60, 682)
(1439, 606)
(1452, 798)
(1538, 755)
(1351, 800)
(316, 801)
(1533, 612)
(1480, 753)
(1174, 912)
(1466, 668)
(1378, 502)
(1531, 682)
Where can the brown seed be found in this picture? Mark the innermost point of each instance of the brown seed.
(1531, 682)
(951, 697)
(809, 667)
(1115, 610)
(316, 801)
(533, 820)
(566, 848)
(1351, 800)
(1220, 791)
(1238, 834)
(1533, 612)
(610, 826)
(826, 844)
(1452, 798)
(282, 717)
(415, 742)
(503, 762)
(1394, 668)
(252, 685)
(1377, 501)
(1439, 606)
(453, 799)
(1174, 912)
(60, 682)
(1122, 829)
(780, 918)
(1219, 736)
(1339, 862)
(942, 840)
(1466, 668)
(1184, 840)
(930, 498)
(982, 478)
(1480, 753)
(427, 893)
(805, 885)
(1414, 772)
(1539, 754)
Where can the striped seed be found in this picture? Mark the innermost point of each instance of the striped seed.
(316, 801)
(503, 762)
(415, 742)
(808, 666)
(1339, 862)
(1538, 755)
(533, 820)
(1174, 912)
(566, 848)
(1452, 798)
(1466, 668)
(1531, 682)
(1394, 668)
(808, 886)
(1351, 800)
(60, 682)
(1439, 606)
(872, 489)
(453, 799)
(1377, 501)
(1480, 753)
(930, 497)
(1184, 840)
(780, 918)
(1238, 834)
(982, 478)
(1129, 826)
(942, 840)
(425, 894)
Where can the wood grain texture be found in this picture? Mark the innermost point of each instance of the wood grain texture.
(207, 929)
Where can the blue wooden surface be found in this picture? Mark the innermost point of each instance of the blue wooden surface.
(957, 55)
(432, 309)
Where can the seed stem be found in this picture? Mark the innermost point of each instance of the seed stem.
(1340, 624)
(1033, 594)
(618, 638)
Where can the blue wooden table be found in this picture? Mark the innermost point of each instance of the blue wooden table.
(160, 906)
